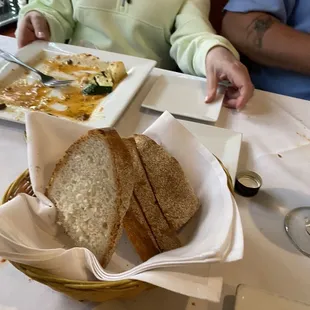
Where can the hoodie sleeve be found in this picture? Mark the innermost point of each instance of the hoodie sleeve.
(59, 15)
(194, 37)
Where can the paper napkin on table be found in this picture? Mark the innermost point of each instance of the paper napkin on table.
(29, 234)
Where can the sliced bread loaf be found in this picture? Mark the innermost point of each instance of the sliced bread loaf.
(91, 188)
(164, 234)
(172, 190)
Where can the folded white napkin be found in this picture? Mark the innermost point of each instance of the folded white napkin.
(29, 234)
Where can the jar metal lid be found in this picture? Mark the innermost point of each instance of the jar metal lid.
(248, 183)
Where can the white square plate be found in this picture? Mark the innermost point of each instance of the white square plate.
(223, 143)
(183, 95)
(110, 108)
(254, 299)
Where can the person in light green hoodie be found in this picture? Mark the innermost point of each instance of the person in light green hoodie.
(172, 32)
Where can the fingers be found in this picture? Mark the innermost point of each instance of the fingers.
(22, 38)
(239, 76)
(246, 93)
(40, 26)
(230, 104)
(237, 98)
(212, 82)
(232, 93)
(33, 26)
(231, 96)
(24, 32)
(221, 64)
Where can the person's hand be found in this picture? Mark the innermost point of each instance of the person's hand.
(32, 27)
(221, 64)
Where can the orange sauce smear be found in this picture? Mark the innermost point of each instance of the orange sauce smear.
(68, 68)
(38, 97)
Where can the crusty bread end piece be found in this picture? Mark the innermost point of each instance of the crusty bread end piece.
(172, 190)
(117, 70)
(91, 188)
(165, 236)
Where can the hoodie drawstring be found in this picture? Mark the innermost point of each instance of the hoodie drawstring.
(124, 2)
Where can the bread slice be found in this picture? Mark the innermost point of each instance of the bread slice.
(139, 232)
(172, 190)
(91, 188)
(165, 236)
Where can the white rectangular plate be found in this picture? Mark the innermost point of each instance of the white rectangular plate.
(254, 299)
(110, 108)
(183, 95)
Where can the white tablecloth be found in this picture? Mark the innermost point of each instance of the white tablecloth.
(275, 144)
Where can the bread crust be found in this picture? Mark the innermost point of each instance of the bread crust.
(172, 190)
(139, 232)
(165, 236)
(123, 171)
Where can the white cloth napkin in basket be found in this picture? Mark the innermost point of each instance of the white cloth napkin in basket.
(29, 234)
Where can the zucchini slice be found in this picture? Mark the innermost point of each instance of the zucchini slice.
(100, 84)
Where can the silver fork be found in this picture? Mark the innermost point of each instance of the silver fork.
(46, 80)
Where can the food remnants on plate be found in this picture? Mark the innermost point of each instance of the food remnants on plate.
(104, 183)
(92, 81)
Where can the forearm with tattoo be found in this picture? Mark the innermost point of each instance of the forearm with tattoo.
(257, 29)
(267, 41)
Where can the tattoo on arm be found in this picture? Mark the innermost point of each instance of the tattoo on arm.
(258, 28)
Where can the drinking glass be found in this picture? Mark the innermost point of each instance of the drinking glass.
(297, 227)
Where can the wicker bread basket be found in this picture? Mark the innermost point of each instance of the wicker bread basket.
(79, 290)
